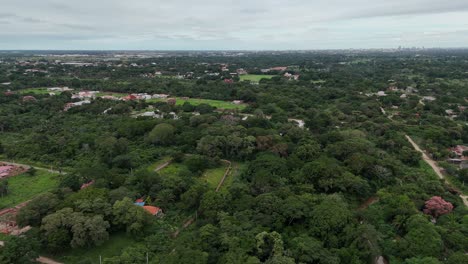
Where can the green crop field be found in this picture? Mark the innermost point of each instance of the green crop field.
(25, 187)
(196, 101)
(255, 77)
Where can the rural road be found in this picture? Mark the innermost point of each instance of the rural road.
(162, 166)
(40, 259)
(434, 166)
(45, 260)
(28, 166)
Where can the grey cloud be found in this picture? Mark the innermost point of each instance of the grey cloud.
(247, 23)
(32, 20)
(410, 8)
(76, 26)
(7, 15)
(253, 11)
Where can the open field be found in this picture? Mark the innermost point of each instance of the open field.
(118, 95)
(158, 163)
(25, 187)
(237, 169)
(173, 169)
(196, 101)
(255, 77)
(34, 91)
(214, 176)
(112, 247)
(211, 176)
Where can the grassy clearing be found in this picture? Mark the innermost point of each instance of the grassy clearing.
(319, 82)
(112, 247)
(25, 187)
(160, 162)
(34, 91)
(214, 176)
(196, 101)
(4, 237)
(255, 77)
(118, 95)
(237, 169)
(427, 170)
(173, 169)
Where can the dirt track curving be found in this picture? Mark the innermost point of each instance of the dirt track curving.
(434, 166)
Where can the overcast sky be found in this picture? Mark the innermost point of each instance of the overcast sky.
(234, 24)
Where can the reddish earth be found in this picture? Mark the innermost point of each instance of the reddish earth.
(10, 170)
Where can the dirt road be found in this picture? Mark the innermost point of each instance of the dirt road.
(40, 259)
(426, 158)
(162, 166)
(434, 166)
(45, 260)
(29, 166)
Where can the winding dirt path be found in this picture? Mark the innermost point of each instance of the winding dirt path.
(434, 166)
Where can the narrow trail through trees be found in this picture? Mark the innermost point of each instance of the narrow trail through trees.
(192, 219)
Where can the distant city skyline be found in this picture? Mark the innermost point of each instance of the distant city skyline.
(232, 25)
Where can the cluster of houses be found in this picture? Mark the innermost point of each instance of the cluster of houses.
(451, 114)
(157, 114)
(85, 95)
(459, 156)
(68, 106)
(34, 71)
(291, 76)
(277, 69)
(53, 90)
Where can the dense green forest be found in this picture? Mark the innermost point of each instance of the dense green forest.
(250, 185)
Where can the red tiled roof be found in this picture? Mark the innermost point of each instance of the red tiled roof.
(152, 209)
(139, 200)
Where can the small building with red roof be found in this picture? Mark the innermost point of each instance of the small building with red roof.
(153, 210)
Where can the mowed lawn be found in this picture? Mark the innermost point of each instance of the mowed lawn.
(112, 247)
(196, 101)
(25, 187)
(255, 77)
